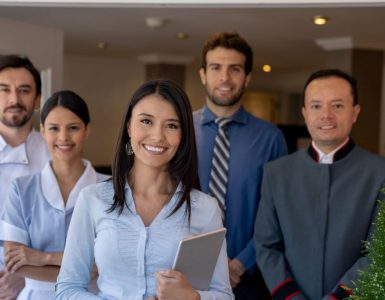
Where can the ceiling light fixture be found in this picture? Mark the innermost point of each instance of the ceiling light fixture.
(266, 68)
(320, 20)
(101, 45)
(182, 36)
(155, 22)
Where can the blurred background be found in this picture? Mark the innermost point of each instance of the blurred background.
(105, 50)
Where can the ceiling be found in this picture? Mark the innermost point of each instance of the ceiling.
(283, 37)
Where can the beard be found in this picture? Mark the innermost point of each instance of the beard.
(16, 121)
(223, 101)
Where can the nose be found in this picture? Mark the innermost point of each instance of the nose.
(327, 112)
(157, 133)
(225, 74)
(63, 135)
(13, 96)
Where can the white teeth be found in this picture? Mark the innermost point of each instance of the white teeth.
(327, 127)
(224, 89)
(64, 147)
(154, 149)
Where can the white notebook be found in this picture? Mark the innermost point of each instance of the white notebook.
(197, 256)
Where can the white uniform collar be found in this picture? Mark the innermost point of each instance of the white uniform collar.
(15, 155)
(327, 158)
(51, 190)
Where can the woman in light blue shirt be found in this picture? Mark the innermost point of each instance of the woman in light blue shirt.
(131, 226)
(39, 207)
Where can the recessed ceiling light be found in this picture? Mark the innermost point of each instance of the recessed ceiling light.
(320, 20)
(266, 68)
(101, 45)
(155, 22)
(182, 36)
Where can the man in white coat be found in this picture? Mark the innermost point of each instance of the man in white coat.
(22, 149)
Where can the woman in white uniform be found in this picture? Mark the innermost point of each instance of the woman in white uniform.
(39, 208)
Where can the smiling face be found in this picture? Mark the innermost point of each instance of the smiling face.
(18, 97)
(329, 112)
(224, 77)
(154, 129)
(65, 134)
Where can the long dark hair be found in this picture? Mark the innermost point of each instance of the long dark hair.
(182, 167)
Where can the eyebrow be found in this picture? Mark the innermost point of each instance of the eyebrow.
(230, 65)
(73, 123)
(151, 116)
(20, 86)
(25, 86)
(331, 101)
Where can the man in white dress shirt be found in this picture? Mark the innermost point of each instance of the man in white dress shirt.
(22, 149)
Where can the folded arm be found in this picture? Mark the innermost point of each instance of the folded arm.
(31, 263)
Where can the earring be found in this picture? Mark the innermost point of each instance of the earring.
(129, 148)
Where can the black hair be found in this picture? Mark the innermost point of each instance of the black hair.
(325, 73)
(229, 41)
(68, 100)
(182, 167)
(20, 61)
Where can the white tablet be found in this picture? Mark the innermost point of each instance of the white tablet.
(197, 256)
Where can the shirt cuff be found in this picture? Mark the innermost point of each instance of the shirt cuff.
(286, 290)
(341, 292)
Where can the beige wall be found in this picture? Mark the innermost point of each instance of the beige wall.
(106, 84)
(43, 45)
(382, 115)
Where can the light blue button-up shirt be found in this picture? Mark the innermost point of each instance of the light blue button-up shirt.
(128, 253)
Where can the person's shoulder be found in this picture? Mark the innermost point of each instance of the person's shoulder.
(25, 186)
(261, 123)
(35, 137)
(370, 158)
(205, 210)
(197, 114)
(202, 200)
(100, 177)
(289, 159)
(101, 191)
(27, 181)
(37, 146)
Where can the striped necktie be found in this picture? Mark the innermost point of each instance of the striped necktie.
(220, 164)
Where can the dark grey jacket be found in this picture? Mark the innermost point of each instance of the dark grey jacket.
(312, 220)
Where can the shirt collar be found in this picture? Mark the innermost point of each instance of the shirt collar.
(240, 116)
(337, 154)
(51, 189)
(15, 155)
(3, 144)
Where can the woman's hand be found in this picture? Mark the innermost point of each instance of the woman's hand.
(18, 255)
(10, 285)
(172, 285)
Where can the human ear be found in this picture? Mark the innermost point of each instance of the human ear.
(202, 74)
